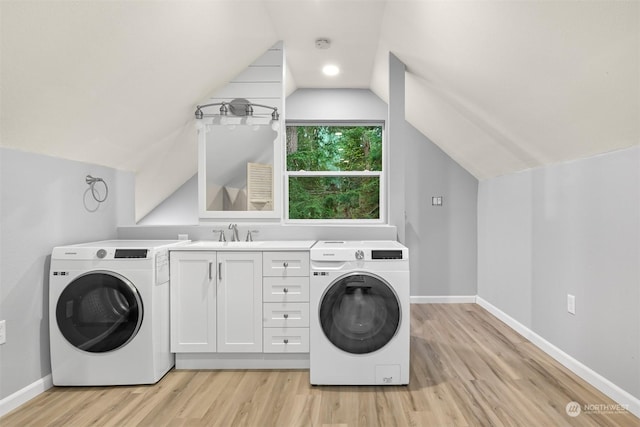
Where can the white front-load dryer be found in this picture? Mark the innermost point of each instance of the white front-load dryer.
(359, 327)
(109, 313)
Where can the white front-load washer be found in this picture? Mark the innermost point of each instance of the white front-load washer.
(109, 312)
(359, 327)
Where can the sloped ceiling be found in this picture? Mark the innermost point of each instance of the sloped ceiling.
(500, 86)
(505, 86)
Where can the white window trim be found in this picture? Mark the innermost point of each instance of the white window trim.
(334, 173)
(381, 174)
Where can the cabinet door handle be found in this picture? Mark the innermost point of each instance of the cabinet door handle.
(286, 316)
(210, 265)
(285, 264)
(285, 290)
(219, 271)
(286, 341)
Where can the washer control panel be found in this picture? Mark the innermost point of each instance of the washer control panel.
(361, 251)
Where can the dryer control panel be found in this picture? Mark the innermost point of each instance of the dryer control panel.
(130, 253)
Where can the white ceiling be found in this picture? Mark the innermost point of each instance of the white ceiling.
(352, 27)
(500, 86)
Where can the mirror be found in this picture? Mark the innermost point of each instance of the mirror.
(239, 166)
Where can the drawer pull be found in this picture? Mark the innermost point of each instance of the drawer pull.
(285, 264)
(285, 290)
(286, 316)
(286, 341)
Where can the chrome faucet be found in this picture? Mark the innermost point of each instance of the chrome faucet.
(250, 234)
(234, 236)
(222, 236)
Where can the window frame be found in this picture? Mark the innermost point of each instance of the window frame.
(382, 194)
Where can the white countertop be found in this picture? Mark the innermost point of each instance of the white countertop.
(261, 245)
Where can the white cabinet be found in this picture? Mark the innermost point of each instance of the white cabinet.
(239, 302)
(193, 302)
(286, 302)
(216, 302)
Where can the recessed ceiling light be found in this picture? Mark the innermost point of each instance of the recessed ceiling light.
(331, 70)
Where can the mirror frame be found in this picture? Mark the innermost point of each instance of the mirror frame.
(203, 213)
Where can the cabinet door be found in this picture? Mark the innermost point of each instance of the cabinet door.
(239, 302)
(193, 301)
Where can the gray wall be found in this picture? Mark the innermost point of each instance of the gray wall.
(42, 206)
(335, 104)
(442, 240)
(396, 147)
(571, 228)
(179, 208)
(505, 244)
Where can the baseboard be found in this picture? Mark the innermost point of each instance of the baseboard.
(449, 299)
(589, 375)
(25, 394)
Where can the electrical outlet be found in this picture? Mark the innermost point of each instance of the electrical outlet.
(3, 331)
(571, 304)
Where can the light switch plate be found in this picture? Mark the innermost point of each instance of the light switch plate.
(571, 304)
(3, 331)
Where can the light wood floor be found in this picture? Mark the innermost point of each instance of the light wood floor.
(467, 369)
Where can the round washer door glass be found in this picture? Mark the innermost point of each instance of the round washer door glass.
(99, 312)
(359, 313)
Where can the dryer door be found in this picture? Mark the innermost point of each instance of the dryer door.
(360, 313)
(99, 311)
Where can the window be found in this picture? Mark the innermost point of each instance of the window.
(334, 172)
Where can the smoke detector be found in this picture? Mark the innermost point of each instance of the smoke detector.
(323, 44)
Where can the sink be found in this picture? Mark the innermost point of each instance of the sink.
(261, 245)
(212, 244)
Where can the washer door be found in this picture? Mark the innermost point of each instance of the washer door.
(99, 311)
(360, 313)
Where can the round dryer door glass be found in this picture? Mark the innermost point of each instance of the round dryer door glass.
(359, 313)
(99, 312)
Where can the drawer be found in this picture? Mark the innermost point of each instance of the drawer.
(283, 264)
(286, 340)
(285, 314)
(285, 289)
